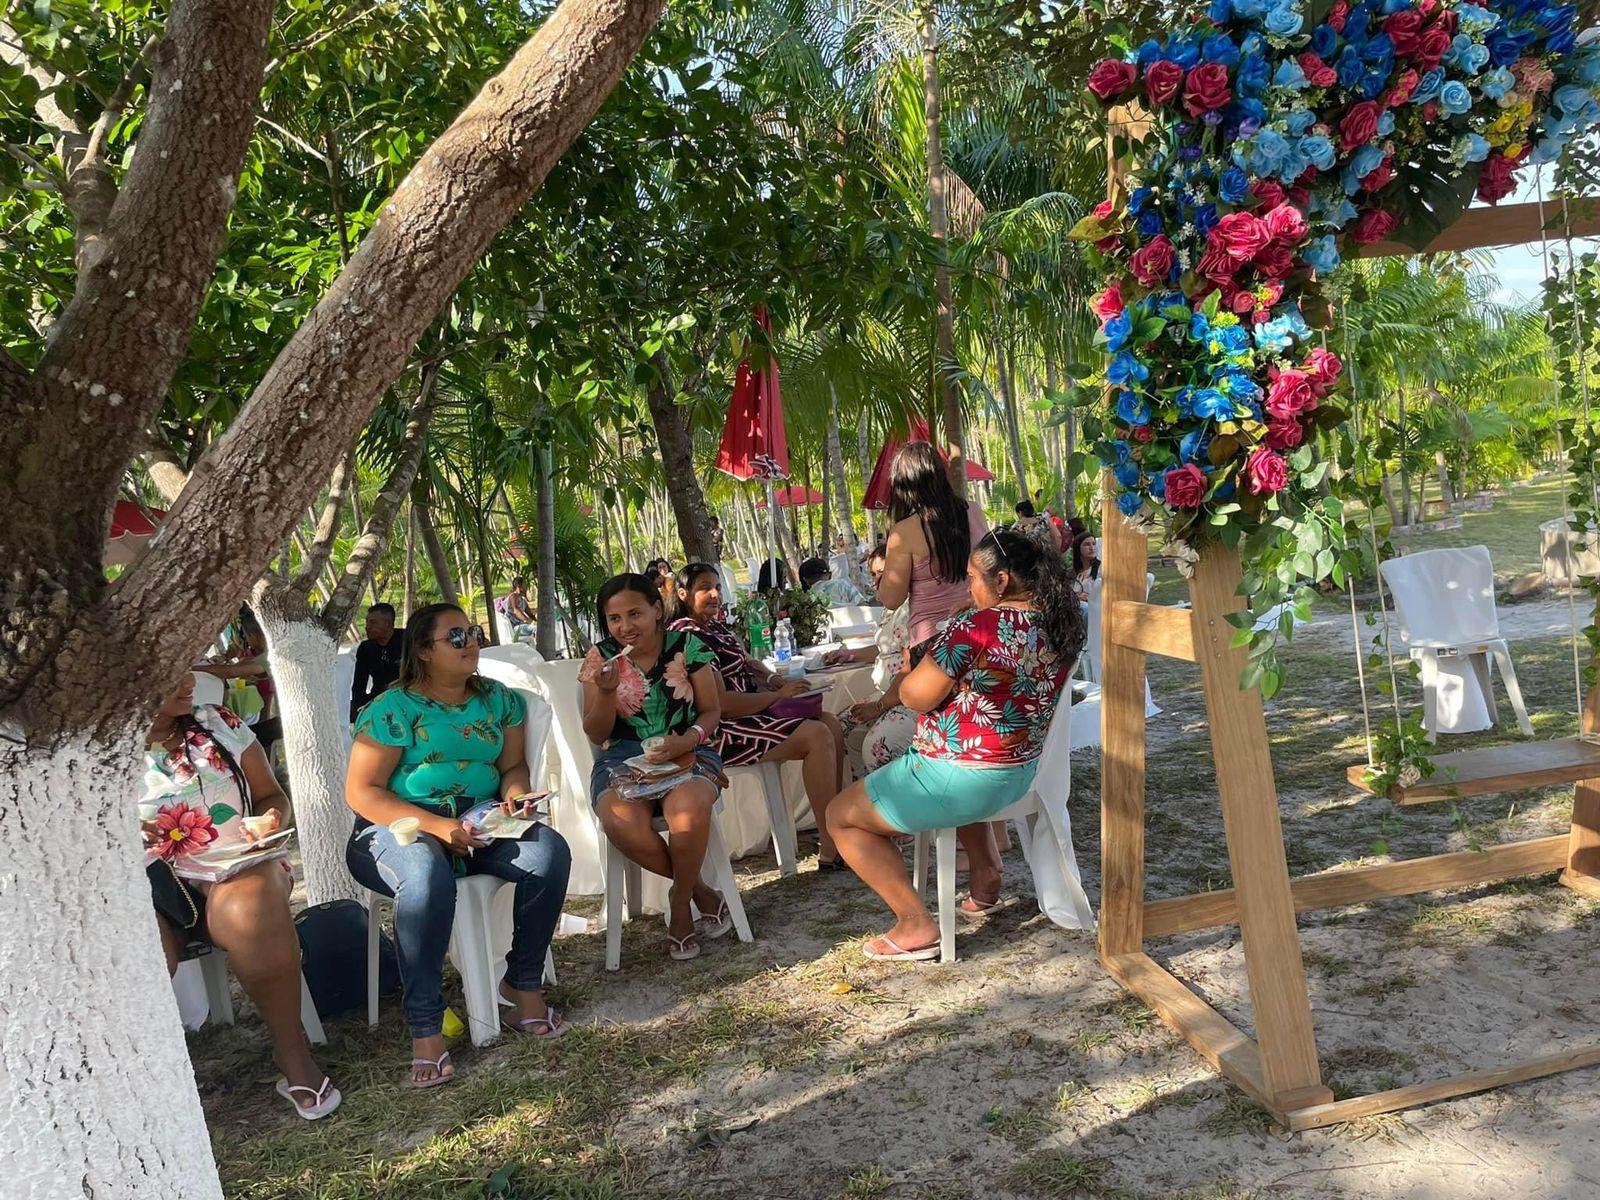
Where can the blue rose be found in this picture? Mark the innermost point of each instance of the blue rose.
(1132, 410)
(1475, 150)
(1497, 83)
(1289, 75)
(1118, 330)
(1547, 149)
(1322, 256)
(1183, 50)
(1225, 493)
(1121, 452)
(1323, 40)
(1300, 120)
(1318, 150)
(1342, 215)
(1199, 327)
(1557, 18)
(1126, 369)
(1349, 67)
(1385, 123)
(1268, 150)
(1205, 217)
(1149, 51)
(1219, 48)
(1129, 503)
(1500, 48)
(1158, 486)
(1475, 18)
(1561, 43)
(1150, 222)
(1454, 98)
(1233, 339)
(1220, 11)
(1570, 98)
(1366, 159)
(1254, 74)
(1283, 21)
(1234, 185)
(1126, 474)
(1212, 405)
(1139, 197)
(1249, 9)
(1428, 86)
(1237, 385)
(1475, 58)
(1193, 446)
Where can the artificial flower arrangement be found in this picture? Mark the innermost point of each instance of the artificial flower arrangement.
(1279, 134)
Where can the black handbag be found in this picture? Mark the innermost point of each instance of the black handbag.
(333, 957)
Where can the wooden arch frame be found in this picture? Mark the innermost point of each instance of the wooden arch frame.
(1279, 1068)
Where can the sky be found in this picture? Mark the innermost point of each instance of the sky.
(1520, 269)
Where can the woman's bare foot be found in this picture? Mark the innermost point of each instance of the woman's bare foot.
(301, 1070)
(983, 888)
(909, 935)
(680, 917)
(530, 1006)
(431, 1049)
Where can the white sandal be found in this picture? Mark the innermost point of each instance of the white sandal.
(718, 923)
(324, 1099)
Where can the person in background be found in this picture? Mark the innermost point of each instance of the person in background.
(661, 571)
(1086, 562)
(986, 691)
(248, 661)
(207, 759)
(1031, 524)
(644, 681)
(519, 613)
(751, 732)
(934, 532)
(892, 724)
(717, 537)
(817, 576)
(1063, 538)
(764, 577)
(442, 740)
(377, 658)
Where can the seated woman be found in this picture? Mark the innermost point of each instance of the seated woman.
(891, 723)
(646, 682)
(438, 741)
(750, 731)
(986, 690)
(208, 760)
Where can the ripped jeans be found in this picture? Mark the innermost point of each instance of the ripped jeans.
(420, 879)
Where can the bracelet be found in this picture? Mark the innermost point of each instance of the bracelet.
(701, 730)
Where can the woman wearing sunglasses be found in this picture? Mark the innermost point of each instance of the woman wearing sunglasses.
(438, 741)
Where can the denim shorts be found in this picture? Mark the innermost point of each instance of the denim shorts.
(707, 766)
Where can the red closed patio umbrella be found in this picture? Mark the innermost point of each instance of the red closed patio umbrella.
(877, 491)
(754, 444)
(793, 497)
(132, 527)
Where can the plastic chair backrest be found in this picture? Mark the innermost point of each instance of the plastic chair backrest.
(1444, 596)
(208, 689)
(558, 685)
(855, 615)
(512, 665)
(536, 733)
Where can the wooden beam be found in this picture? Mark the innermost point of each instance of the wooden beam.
(1506, 225)
(1493, 769)
(1250, 818)
(1357, 885)
(1317, 1115)
(1583, 848)
(1213, 1036)
(1125, 553)
(1152, 628)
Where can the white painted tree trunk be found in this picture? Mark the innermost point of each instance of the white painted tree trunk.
(314, 717)
(97, 1097)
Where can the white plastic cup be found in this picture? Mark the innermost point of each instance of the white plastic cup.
(405, 830)
(652, 743)
(257, 827)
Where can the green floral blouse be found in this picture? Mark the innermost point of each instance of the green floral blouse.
(447, 751)
(660, 711)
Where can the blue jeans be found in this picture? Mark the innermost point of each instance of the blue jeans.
(420, 879)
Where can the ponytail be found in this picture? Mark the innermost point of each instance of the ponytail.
(1042, 576)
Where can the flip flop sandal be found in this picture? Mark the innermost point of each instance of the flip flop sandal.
(829, 866)
(324, 1099)
(900, 953)
(553, 1025)
(975, 910)
(684, 948)
(438, 1065)
(718, 923)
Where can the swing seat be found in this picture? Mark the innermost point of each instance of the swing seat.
(1493, 769)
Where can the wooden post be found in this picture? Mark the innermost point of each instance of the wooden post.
(1125, 554)
(1582, 873)
(1250, 817)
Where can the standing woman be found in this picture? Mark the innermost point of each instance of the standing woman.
(986, 692)
(756, 726)
(934, 532)
(440, 740)
(1086, 561)
(644, 681)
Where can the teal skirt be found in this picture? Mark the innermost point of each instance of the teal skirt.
(914, 793)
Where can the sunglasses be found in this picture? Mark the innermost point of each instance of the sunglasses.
(458, 637)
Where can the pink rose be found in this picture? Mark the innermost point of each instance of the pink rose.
(1323, 367)
(1433, 45)
(1152, 262)
(1404, 29)
(1265, 471)
(1380, 175)
(1162, 79)
(1338, 15)
(1319, 73)
(1402, 89)
(1496, 183)
(1274, 263)
(1186, 486)
(1243, 235)
(1269, 192)
(1289, 394)
(1284, 435)
(1359, 125)
(1216, 265)
(1286, 225)
(1242, 301)
(1143, 433)
(1103, 209)
(1376, 224)
(1206, 89)
(1109, 302)
(1111, 77)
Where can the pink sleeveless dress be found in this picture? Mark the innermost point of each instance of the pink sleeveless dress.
(934, 600)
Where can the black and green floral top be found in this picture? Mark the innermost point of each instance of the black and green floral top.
(447, 751)
(661, 700)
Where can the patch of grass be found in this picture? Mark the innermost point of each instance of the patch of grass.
(1093, 1039)
(1383, 1127)
(1238, 1115)
(1330, 965)
(868, 1183)
(1072, 1095)
(1019, 1128)
(1057, 1175)
(1432, 919)
(1381, 989)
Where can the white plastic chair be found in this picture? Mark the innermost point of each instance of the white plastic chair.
(1445, 601)
(854, 620)
(219, 996)
(1057, 881)
(481, 934)
(1089, 661)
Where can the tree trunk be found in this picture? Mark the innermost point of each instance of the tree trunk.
(1445, 492)
(480, 531)
(626, 527)
(863, 452)
(677, 457)
(811, 524)
(1395, 517)
(843, 510)
(939, 228)
(303, 654)
(1008, 400)
(410, 599)
(1405, 469)
(604, 515)
(437, 559)
(545, 486)
(96, 1073)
